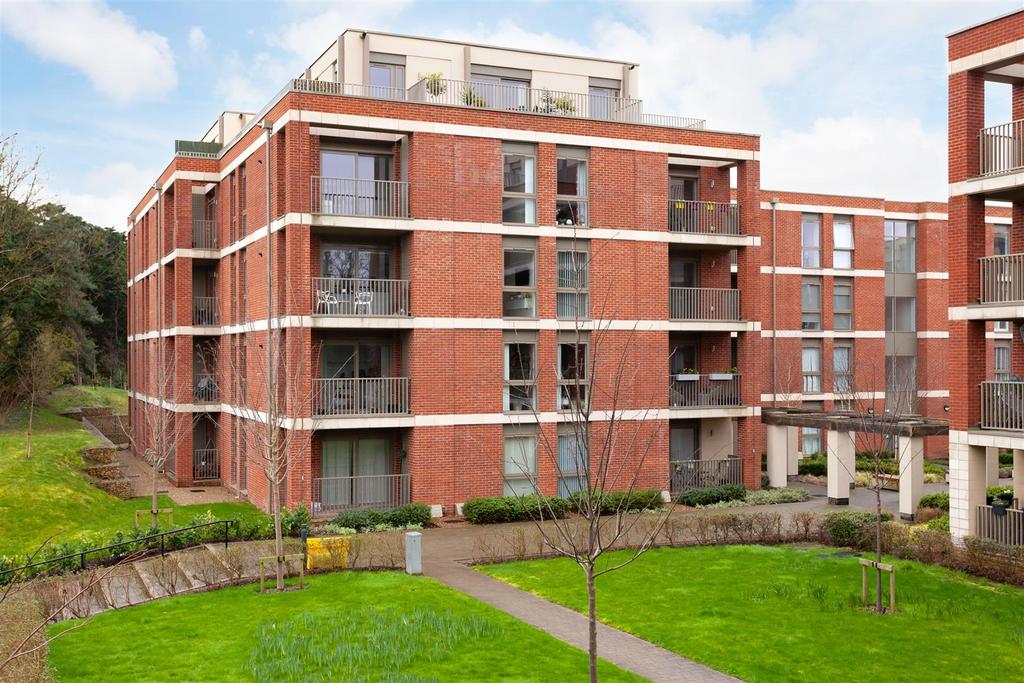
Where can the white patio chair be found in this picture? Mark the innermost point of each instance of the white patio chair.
(364, 299)
(326, 302)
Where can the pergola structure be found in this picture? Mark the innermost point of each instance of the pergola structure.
(782, 424)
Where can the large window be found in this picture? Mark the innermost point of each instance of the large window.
(810, 437)
(604, 98)
(810, 297)
(519, 294)
(387, 75)
(1001, 247)
(572, 374)
(1001, 361)
(811, 366)
(900, 246)
(572, 462)
(520, 463)
(498, 88)
(572, 297)
(810, 241)
(842, 304)
(901, 313)
(571, 173)
(842, 242)
(519, 191)
(350, 183)
(519, 376)
(901, 384)
(842, 369)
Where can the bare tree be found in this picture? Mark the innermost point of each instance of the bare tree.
(20, 193)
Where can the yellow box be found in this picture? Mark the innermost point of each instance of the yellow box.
(327, 552)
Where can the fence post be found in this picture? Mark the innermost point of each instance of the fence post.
(82, 556)
(161, 545)
(413, 552)
(227, 524)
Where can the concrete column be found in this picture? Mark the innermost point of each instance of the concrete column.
(991, 466)
(793, 450)
(1018, 475)
(841, 465)
(778, 455)
(911, 464)
(966, 485)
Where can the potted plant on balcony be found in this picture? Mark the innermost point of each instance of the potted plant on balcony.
(470, 98)
(687, 375)
(434, 83)
(999, 507)
(722, 376)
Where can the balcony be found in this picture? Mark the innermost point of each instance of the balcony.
(204, 310)
(703, 218)
(205, 464)
(505, 97)
(1002, 406)
(352, 197)
(1005, 527)
(704, 391)
(1001, 148)
(204, 234)
(694, 474)
(356, 297)
(331, 494)
(704, 304)
(1002, 279)
(362, 396)
(204, 388)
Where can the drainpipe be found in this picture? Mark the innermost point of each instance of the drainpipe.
(775, 329)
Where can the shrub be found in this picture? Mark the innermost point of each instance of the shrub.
(293, 519)
(940, 523)
(332, 529)
(850, 528)
(1006, 459)
(1001, 493)
(935, 500)
(496, 509)
(815, 465)
(711, 495)
(391, 518)
(617, 501)
(765, 497)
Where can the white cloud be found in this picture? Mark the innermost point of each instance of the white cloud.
(197, 39)
(119, 59)
(306, 37)
(107, 194)
(248, 84)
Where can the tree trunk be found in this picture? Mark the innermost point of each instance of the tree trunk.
(275, 497)
(28, 432)
(878, 542)
(154, 499)
(592, 622)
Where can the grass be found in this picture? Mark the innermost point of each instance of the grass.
(791, 614)
(343, 626)
(78, 396)
(48, 495)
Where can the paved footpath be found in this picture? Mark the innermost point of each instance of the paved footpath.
(626, 651)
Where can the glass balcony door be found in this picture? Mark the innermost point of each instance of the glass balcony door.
(351, 183)
(352, 280)
(355, 472)
(351, 378)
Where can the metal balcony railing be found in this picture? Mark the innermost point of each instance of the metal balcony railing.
(204, 234)
(703, 218)
(331, 494)
(704, 304)
(695, 474)
(352, 197)
(1002, 278)
(1002, 406)
(204, 387)
(360, 297)
(1001, 148)
(204, 310)
(704, 391)
(361, 396)
(205, 464)
(1007, 528)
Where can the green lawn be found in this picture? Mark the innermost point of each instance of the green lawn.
(48, 496)
(391, 626)
(790, 614)
(78, 396)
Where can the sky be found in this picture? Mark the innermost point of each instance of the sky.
(848, 97)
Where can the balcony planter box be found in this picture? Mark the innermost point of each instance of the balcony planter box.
(687, 378)
(721, 376)
(999, 510)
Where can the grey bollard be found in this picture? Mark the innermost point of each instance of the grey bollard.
(413, 552)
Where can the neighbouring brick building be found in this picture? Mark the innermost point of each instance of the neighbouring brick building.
(469, 241)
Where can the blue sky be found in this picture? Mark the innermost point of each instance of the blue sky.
(848, 97)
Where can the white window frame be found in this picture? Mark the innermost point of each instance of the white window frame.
(839, 225)
(810, 254)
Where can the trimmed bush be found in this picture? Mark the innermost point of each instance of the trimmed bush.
(293, 519)
(413, 514)
(940, 523)
(935, 500)
(616, 501)
(497, 509)
(813, 465)
(850, 528)
(711, 495)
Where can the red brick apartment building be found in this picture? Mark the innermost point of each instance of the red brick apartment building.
(455, 228)
(986, 274)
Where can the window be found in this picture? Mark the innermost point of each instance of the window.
(387, 75)
(900, 246)
(1001, 361)
(604, 98)
(519, 294)
(842, 242)
(811, 366)
(572, 283)
(572, 463)
(842, 304)
(1001, 247)
(349, 184)
(900, 384)
(842, 369)
(500, 88)
(571, 175)
(901, 313)
(810, 437)
(520, 464)
(519, 376)
(242, 201)
(572, 374)
(810, 297)
(810, 241)
(519, 193)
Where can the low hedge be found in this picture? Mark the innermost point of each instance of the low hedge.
(850, 528)
(412, 514)
(617, 501)
(711, 495)
(813, 465)
(497, 509)
(935, 500)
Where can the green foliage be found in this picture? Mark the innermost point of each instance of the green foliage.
(497, 509)
(935, 500)
(332, 529)
(293, 519)
(619, 501)
(413, 514)
(851, 528)
(940, 523)
(711, 495)
(765, 497)
(1000, 494)
(1006, 458)
(813, 465)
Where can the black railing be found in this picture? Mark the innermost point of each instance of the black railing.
(152, 542)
